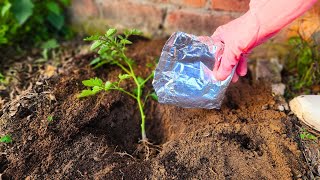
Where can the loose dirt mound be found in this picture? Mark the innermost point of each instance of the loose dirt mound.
(97, 137)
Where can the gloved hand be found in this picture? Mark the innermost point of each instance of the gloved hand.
(263, 20)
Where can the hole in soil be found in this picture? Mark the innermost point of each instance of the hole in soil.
(120, 125)
(245, 142)
(230, 103)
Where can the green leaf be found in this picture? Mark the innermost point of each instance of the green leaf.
(6, 139)
(22, 10)
(103, 49)
(100, 64)
(92, 38)
(107, 86)
(5, 8)
(65, 2)
(125, 41)
(111, 32)
(124, 76)
(53, 7)
(50, 44)
(154, 96)
(96, 44)
(93, 82)
(86, 93)
(114, 52)
(135, 32)
(50, 118)
(95, 61)
(56, 20)
(140, 80)
(96, 89)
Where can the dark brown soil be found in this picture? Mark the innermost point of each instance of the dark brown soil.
(97, 137)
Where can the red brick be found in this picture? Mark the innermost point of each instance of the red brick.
(83, 9)
(128, 14)
(190, 3)
(195, 23)
(230, 5)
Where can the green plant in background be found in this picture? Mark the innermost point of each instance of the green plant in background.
(36, 20)
(6, 139)
(303, 63)
(48, 48)
(305, 135)
(111, 49)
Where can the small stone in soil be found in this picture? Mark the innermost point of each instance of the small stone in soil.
(281, 108)
(265, 107)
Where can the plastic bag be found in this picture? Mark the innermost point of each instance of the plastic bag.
(184, 74)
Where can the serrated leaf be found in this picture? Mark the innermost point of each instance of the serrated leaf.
(86, 93)
(93, 82)
(114, 52)
(6, 139)
(96, 44)
(5, 8)
(103, 49)
(154, 96)
(96, 89)
(125, 41)
(56, 20)
(107, 86)
(22, 10)
(124, 76)
(120, 37)
(92, 38)
(53, 7)
(140, 80)
(111, 32)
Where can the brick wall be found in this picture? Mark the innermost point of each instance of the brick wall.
(156, 17)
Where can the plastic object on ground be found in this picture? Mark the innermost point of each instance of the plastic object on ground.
(307, 109)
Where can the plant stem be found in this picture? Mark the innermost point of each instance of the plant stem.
(147, 79)
(122, 90)
(143, 131)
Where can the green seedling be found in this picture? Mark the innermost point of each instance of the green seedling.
(303, 64)
(6, 139)
(112, 50)
(50, 119)
(305, 135)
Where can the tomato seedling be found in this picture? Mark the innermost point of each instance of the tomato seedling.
(112, 50)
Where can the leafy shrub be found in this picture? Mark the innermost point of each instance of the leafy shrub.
(303, 65)
(35, 20)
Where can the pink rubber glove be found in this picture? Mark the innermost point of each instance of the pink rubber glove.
(263, 20)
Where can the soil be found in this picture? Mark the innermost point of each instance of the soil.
(97, 137)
